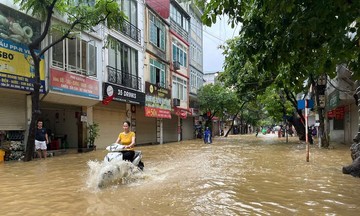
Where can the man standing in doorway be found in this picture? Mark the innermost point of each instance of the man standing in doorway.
(41, 139)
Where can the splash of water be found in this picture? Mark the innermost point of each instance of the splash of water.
(102, 174)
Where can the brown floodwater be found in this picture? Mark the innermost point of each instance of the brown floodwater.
(238, 175)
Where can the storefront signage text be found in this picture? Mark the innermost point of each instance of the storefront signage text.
(123, 94)
(337, 113)
(157, 113)
(71, 83)
(16, 68)
(157, 101)
(16, 64)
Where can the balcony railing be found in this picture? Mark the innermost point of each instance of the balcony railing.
(178, 29)
(72, 69)
(130, 30)
(119, 77)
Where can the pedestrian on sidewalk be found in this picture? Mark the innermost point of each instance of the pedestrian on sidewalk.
(41, 140)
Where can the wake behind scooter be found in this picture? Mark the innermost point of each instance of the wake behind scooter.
(115, 153)
(114, 167)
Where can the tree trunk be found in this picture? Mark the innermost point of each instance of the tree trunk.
(321, 112)
(322, 132)
(232, 124)
(297, 122)
(357, 101)
(355, 147)
(30, 145)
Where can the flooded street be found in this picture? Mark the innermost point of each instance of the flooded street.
(238, 175)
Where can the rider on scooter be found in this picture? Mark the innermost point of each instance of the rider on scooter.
(127, 138)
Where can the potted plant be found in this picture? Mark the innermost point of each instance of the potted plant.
(93, 131)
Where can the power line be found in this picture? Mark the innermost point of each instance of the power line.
(214, 36)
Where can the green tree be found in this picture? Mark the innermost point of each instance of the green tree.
(82, 16)
(215, 99)
(289, 43)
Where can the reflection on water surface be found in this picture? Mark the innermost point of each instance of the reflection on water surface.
(238, 175)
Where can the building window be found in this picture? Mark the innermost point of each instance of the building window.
(157, 73)
(195, 79)
(179, 88)
(122, 57)
(179, 54)
(179, 18)
(129, 7)
(157, 32)
(76, 55)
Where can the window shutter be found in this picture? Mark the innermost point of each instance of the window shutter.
(162, 39)
(152, 72)
(91, 60)
(162, 76)
(152, 33)
(185, 60)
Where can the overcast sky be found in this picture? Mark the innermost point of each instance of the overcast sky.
(213, 37)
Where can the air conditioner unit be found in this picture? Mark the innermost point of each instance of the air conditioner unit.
(176, 102)
(176, 65)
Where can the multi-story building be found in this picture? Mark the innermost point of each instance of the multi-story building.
(104, 76)
(342, 112)
(123, 82)
(77, 75)
(196, 57)
(210, 77)
(179, 21)
(158, 123)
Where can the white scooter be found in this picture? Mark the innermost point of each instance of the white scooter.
(114, 167)
(116, 154)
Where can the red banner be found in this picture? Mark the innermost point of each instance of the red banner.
(331, 114)
(183, 114)
(337, 113)
(73, 84)
(157, 113)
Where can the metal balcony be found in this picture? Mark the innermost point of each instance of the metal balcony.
(119, 77)
(130, 30)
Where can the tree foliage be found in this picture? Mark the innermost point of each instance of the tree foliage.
(76, 17)
(287, 44)
(293, 38)
(275, 104)
(217, 100)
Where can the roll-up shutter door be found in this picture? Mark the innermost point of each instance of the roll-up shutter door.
(188, 128)
(12, 111)
(145, 127)
(110, 124)
(171, 129)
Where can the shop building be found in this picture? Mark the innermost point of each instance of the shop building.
(122, 89)
(90, 79)
(341, 110)
(196, 63)
(178, 46)
(157, 78)
(16, 75)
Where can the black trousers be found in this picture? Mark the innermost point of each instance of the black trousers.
(128, 155)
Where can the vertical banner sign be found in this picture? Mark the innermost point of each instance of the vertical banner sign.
(157, 101)
(16, 65)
